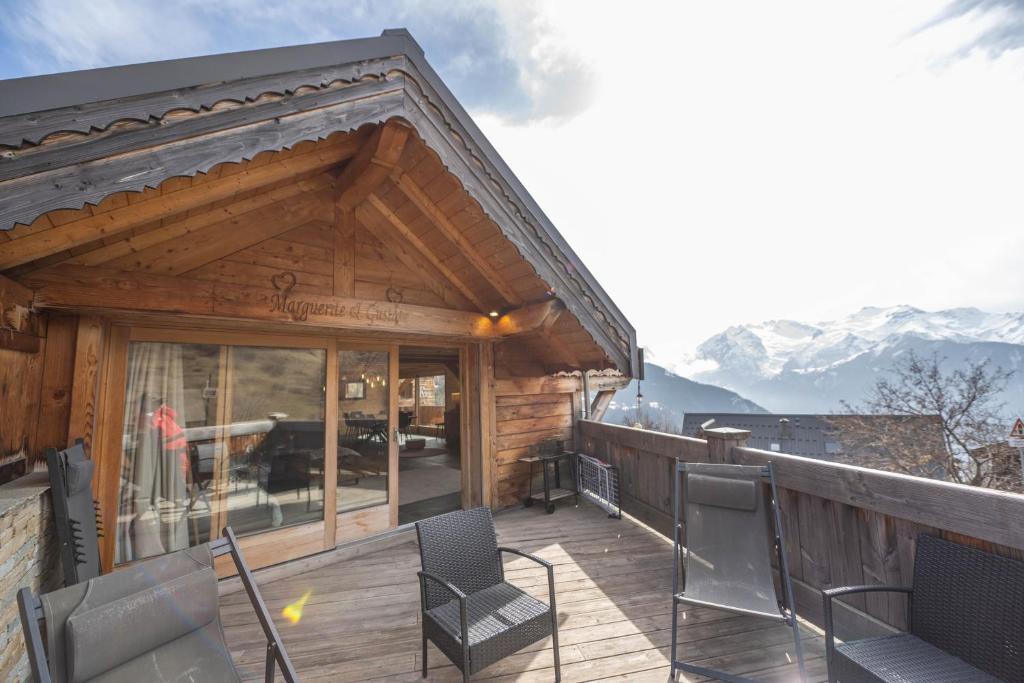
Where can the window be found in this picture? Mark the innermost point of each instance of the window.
(218, 435)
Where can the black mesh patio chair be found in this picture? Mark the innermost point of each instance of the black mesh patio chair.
(74, 512)
(469, 611)
(156, 620)
(966, 623)
(732, 531)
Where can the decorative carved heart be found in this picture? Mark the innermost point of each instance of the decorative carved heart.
(394, 295)
(283, 281)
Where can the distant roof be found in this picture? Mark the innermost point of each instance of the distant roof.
(813, 436)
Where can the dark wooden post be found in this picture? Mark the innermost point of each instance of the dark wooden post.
(722, 440)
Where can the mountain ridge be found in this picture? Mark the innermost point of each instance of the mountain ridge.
(792, 366)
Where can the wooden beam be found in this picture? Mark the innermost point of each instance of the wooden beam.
(425, 252)
(37, 245)
(378, 225)
(530, 319)
(84, 384)
(373, 164)
(601, 403)
(103, 289)
(18, 323)
(444, 225)
(344, 252)
(179, 256)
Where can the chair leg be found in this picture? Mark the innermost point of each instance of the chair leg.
(554, 646)
(424, 655)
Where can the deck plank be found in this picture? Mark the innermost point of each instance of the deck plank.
(613, 583)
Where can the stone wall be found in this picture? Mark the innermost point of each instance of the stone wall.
(29, 556)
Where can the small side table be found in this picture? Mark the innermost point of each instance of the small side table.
(549, 464)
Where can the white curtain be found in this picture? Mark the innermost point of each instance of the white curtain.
(154, 493)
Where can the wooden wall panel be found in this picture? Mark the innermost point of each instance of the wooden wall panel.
(21, 378)
(57, 379)
(521, 421)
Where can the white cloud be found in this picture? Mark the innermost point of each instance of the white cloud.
(742, 162)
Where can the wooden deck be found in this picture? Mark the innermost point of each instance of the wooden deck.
(361, 622)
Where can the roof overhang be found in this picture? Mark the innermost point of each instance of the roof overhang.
(386, 77)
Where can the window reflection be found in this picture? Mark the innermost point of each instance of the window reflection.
(217, 435)
(168, 444)
(273, 469)
(362, 429)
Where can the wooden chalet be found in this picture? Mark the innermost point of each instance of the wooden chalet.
(286, 290)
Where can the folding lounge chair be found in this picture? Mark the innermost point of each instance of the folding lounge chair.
(155, 620)
(468, 610)
(728, 550)
(74, 512)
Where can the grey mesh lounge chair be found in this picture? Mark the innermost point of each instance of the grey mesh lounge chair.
(463, 590)
(74, 512)
(732, 529)
(156, 620)
(966, 623)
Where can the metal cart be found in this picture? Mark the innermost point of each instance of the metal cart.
(550, 459)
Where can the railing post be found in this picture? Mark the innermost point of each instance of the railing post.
(722, 440)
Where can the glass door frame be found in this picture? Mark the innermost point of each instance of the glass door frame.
(263, 548)
(266, 548)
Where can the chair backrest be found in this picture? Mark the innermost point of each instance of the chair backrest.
(728, 539)
(461, 548)
(74, 512)
(146, 609)
(970, 603)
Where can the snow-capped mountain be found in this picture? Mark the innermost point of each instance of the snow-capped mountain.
(790, 366)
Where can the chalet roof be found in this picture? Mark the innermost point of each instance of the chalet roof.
(73, 139)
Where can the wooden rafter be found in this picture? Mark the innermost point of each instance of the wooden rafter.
(124, 248)
(179, 256)
(380, 227)
(600, 405)
(425, 252)
(428, 208)
(40, 244)
(373, 164)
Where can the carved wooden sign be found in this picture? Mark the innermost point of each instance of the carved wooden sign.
(300, 309)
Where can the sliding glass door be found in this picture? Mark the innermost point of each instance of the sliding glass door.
(217, 435)
(224, 430)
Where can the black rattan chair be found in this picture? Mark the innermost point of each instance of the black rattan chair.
(154, 620)
(463, 591)
(966, 621)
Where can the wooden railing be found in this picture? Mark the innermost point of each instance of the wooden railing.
(843, 525)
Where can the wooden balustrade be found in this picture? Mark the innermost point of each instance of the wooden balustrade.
(844, 525)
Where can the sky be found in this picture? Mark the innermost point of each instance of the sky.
(712, 163)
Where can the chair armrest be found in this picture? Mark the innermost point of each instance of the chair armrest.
(275, 648)
(829, 594)
(520, 553)
(544, 563)
(462, 597)
(451, 588)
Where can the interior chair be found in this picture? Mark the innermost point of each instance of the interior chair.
(732, 528)
(74, 512)
(469, 611)
(154, 620)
